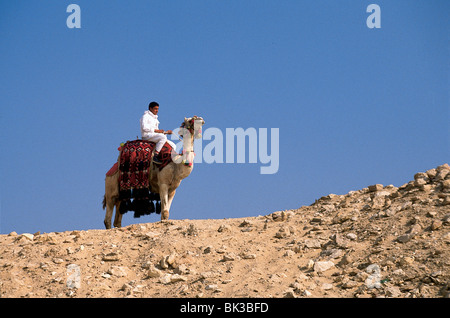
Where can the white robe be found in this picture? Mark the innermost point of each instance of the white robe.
(149, 123)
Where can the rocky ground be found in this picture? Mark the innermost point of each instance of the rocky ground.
(381, 241)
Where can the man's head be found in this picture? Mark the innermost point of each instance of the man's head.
(153, 107)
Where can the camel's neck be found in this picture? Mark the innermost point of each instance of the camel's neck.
(188, 151)
(188, 144)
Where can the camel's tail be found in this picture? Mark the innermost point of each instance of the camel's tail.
(104, 202)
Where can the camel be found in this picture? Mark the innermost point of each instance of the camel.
(164, 182)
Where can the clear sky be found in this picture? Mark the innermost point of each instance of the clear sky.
(354, 105)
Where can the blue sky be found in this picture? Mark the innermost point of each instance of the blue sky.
(354, 106)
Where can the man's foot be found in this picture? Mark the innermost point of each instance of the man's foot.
(156, 159)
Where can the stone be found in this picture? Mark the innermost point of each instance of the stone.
(351, 236)
(223, 228)
(228, 257)
(312, 243)
(393, 291)
(289, 293)
(419, 182)
(283, 232)
(163, 263)
(165, 279)
(153, 272)
(171, 259)
(435, 225)
(431, 173)
(440, 176)
(118, 271)
(248, 256)
(28, 236)
(375, 187)
(279, 216)
(111, 257)
(323, 266)
(405, 237)
(177, 278)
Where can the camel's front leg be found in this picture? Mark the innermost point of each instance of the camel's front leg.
(109, 213)
(164, 196)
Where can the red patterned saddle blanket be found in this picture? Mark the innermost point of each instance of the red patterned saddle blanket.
(134, 167)
(134, 163)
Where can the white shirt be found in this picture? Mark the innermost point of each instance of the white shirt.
(149, 122)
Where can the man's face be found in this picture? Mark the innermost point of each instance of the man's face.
(154, 110)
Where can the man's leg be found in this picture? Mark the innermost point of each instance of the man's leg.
(160, 140)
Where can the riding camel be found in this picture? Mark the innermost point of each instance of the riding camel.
(163, 182)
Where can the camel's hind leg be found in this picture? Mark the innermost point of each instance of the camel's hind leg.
(118, 216)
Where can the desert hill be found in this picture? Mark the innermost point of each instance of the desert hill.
(380, 241)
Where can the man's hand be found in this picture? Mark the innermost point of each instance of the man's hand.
(169, 132)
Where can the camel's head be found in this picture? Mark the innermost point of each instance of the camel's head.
(193, 125)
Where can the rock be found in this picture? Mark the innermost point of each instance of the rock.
(279, 216)
(435, 225)
(393, 291)
(171, 259)
(446, 201)
(28, 236)
(208, 250)
(163, 263)
(346, 259)
(341, 241)
(349, 284)
(323, 266)
(351, 236)
(375, 187)
(405, 238)
(248, 256)
(312, 243)
(284, 232)
(420, 182)
(446, 219)
(431, 173)
(289, 253)
(289, 294)
(246, 223)
(440, 176)
(228, 257)
(177, 278)
(111, 257)
(310, 265)
(118, 271)
(165, 279)
(182, 269)
(224, 228)
(212, 287)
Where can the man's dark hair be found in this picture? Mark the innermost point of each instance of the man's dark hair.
(152, 104)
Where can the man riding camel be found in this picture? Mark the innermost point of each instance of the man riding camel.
(150, 130)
